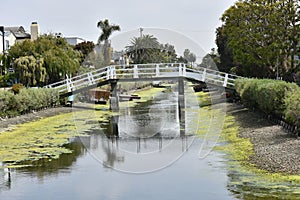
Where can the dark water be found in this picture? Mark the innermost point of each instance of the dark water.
(146, 152)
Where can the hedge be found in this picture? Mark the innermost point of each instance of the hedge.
(27, 100)
(273, 97)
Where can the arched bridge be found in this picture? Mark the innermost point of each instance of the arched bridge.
(141, 72)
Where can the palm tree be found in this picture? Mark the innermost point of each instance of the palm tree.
(107, 30)
(143, 49)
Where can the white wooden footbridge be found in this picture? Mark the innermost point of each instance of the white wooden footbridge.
(141, 72)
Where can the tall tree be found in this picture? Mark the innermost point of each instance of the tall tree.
(262, 34)
(85, 48)
(54, 54)
(107, 29)
(224, 51)
(189, 56)
(144, 49)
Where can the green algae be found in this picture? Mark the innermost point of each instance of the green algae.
(46, 138)
(247, 179)
(36, 140)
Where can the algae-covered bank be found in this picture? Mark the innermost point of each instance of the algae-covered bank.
(39, 138)
(247, 179)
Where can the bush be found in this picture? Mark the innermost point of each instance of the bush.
(17, 87)
(265, 94)
(292, 111)
(27, 100)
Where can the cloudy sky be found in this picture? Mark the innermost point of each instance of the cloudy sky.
(195, 19)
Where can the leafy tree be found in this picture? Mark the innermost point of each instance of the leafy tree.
(189, 56)
(262, 34)
(85, 48)
(225, 52)
(55, 55)
(107, 30)
(30, 70)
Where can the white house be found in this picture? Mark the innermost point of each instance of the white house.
(74, 40)
(16, 34)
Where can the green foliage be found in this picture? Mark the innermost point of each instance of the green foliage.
(107, 29)
(292, 104)
(270, 96)
(261, 35)
(45, 60)
(85, 48)
(27, 100)
(147, 49)
(17, 87)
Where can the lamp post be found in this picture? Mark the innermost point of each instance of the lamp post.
(2, 30)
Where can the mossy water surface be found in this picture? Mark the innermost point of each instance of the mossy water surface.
(46, 137)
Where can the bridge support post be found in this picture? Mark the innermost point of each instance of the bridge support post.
(114, 125)
(181, 106)
(114, 100)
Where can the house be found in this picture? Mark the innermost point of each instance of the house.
(74, 40)
(15, 34)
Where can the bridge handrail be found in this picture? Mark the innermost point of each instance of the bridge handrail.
(148, 70)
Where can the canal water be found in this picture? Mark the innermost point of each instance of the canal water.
(148, 151)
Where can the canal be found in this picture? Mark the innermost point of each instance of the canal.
(151, 149)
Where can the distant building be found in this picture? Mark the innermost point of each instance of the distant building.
(74, 40)
(15, 34)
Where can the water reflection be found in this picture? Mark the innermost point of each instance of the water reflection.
(143, 138)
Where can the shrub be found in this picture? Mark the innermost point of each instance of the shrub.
(292, 104)
(17, 87)
(265, 94)
(27, 100)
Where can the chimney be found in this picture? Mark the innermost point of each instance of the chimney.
(34, 30)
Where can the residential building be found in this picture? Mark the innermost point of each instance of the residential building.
(16, 34)
(74, 40)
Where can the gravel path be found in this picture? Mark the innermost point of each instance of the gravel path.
(275, 150)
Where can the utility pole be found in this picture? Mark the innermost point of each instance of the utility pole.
(2, 30)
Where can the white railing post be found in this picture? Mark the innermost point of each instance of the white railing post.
(69, 84)
(184, 70)
(108, 73)
(157, 70)
(90, 78)
(225, 80)
(112, 72)
(135, 71)
(203, 75)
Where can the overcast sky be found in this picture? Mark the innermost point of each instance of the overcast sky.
(195, 19)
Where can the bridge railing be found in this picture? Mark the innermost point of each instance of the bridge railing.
(140, 71)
